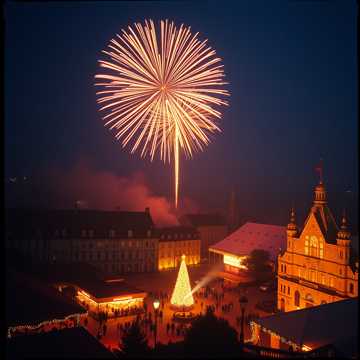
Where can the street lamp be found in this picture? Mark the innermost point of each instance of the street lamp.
(156, 305)
(243, 302)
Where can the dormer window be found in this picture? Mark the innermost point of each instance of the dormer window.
(148, 233)
(130, 233)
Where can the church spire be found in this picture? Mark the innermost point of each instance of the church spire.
(320, 192)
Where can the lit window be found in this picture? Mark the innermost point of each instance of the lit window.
(321, 252)
(331, 282)
(288, 290)
(313, 246)
(340, 271)
(306, 247)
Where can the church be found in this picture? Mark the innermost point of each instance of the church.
(319, 265)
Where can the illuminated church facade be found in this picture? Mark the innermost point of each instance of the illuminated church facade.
(319, 264)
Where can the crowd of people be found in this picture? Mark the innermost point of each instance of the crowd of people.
(170, 328)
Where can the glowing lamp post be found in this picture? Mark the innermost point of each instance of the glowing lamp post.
(156, 305)
(243, 302)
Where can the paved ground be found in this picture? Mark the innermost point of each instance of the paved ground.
(165, 282)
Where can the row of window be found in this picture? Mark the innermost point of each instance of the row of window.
(99, 255)
(124, 268)
(117, 244)
(179, 244)
(177, 236)
(90, 233)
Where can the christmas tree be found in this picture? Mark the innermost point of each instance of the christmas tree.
(182, 296)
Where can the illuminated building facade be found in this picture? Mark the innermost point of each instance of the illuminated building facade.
(175, 242)
(318, 265)
(113, 297)
(211, 228)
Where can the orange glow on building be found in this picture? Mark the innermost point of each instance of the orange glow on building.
(317, 266)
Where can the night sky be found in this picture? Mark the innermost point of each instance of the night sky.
(292, 68)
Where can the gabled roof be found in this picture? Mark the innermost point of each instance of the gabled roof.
(326, 221)
(254, 236)
(316, 326)
(66, 343)
(76, 220)
(202, 220)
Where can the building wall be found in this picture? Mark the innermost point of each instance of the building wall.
(209, 235)
(312, 275)
(171, 250)
(116, 255)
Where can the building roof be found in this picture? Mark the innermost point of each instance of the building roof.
(66, 343)
(254, 236)
(105, 289)
(74, 221)
(197, 220)
(30, 302)
(326, 221)
(176, 233)
(334, 323)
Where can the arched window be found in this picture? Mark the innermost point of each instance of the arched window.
(282, 305)
(313, 246)
(321, 250)
(297, 298)
(306, 246)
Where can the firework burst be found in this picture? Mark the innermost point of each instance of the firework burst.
(161, 91)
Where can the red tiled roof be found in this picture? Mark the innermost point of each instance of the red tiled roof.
(254, 236)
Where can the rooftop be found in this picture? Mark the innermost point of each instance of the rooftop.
(318, 325)
(252, 236)
(67, 343)
(177, 233)
(76, 220)
(105, 289)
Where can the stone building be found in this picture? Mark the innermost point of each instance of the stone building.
(177, 241)
(319, 264)
(115, 242)
(211, 228)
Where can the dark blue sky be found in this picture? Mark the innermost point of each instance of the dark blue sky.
(292, 68)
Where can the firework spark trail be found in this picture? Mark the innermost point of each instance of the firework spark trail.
(161, 91)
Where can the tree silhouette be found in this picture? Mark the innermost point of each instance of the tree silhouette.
(210, 336)
(133, 342)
